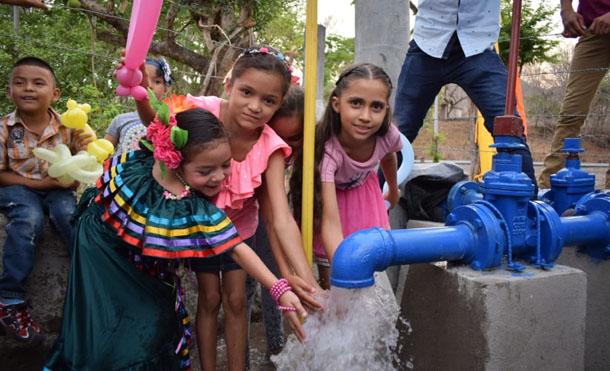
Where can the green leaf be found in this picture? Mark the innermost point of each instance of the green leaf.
(154, 102)
(163, 169)
(179, 137)
(163, 113)
(148, 145)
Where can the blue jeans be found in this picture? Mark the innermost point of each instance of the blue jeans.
(24, 208)
(483, 77)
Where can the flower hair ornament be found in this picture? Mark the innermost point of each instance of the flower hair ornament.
(164, 137)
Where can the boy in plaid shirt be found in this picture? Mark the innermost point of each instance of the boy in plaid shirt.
(26, 190)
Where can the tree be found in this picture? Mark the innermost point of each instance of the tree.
(536, 26)
(82, 40)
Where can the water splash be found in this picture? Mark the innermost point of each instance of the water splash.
(356, 331)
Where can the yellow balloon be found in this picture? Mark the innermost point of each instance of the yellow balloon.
(76, 115)
(101, 149)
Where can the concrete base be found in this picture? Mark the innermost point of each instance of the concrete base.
(467, 320)
(597, 338)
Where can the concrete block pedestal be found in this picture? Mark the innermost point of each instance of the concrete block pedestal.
(597, 338)
(462, 319)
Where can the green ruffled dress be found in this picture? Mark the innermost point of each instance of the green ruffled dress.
(123, 308)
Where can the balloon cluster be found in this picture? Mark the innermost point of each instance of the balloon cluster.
(84, 167)
(64, 167)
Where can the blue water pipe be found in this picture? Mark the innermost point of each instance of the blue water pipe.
(504, 224)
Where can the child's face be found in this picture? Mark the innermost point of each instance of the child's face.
(32, 89)
(208, 168)
(156, 83)
(253, 98)
(290, 129)
(362, 107)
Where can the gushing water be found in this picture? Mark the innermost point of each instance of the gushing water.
(356, 331)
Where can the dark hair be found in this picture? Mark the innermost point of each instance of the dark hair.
(162, 69)
(203, 129)
(329, 126)
(263, 58)
(293, 104)
(34, 61)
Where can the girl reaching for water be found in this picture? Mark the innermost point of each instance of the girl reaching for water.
(354, 136)
(124, 306)
(258, 81)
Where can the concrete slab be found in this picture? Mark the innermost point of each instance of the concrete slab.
(467, 320)
(597, 327)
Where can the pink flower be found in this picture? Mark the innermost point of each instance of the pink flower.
(263, 50)
(160, 136)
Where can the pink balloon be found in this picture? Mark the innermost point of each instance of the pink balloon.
(123, 91)
(142, 25)
(139, 93)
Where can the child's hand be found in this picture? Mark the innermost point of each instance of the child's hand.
(144, 82)
(82, 139)
(289, 299)
(52, 183)
(305, 292)
(392, 196)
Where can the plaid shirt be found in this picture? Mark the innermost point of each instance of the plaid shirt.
(17, 143)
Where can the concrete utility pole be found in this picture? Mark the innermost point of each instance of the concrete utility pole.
(320, 72)
(382, 35)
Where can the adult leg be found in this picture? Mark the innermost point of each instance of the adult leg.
(24, 210)
(61, 204)
(590, 53)
(234, 305)
(483, 77)
(419, 82)
(208, 305)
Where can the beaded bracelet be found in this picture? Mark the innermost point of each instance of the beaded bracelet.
(279, 288)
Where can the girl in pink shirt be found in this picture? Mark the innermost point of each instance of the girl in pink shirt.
(354, 136)
(258, 81)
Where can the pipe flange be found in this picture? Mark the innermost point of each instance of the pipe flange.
(489, 235)
(550, 242)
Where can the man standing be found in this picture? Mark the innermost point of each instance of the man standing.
(590, 64)
(453, 42)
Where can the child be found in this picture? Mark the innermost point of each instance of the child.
(124, 306)
(26, 190)
(259, 80)
(126, 129)
(287, 122)
(354, 137)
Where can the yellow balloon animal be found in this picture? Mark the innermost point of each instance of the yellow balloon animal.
(82, 167)
(76, 118)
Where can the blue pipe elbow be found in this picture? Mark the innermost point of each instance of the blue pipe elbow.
(358, 257)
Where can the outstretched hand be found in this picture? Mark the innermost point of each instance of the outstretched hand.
(305, 292)
(121, 64)
(289, 299)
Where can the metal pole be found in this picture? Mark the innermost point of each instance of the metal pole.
(311, 48)
(436, 116)
(16, 20)
(513, 55)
